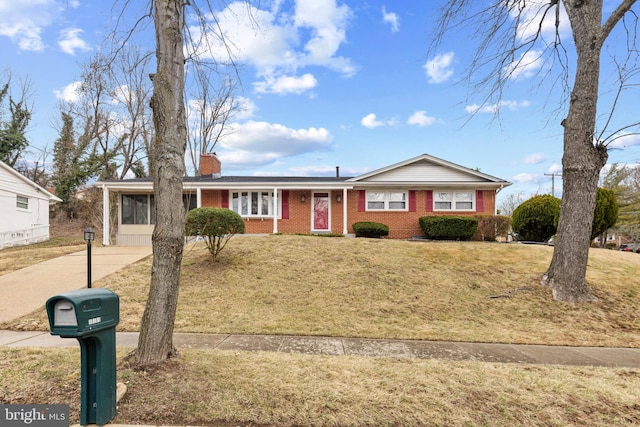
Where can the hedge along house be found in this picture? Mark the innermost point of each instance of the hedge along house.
(396, 195)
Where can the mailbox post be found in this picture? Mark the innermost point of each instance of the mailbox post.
(90, 316)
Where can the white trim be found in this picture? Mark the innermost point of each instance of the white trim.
(106, 208)
(386, 200)
(275, 213)
(453, 201)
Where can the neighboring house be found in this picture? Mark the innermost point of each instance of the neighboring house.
(24, 209)
(396, 195)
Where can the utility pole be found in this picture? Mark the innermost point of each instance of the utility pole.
(553, 182)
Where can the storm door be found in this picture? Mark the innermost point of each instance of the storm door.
(321, 212)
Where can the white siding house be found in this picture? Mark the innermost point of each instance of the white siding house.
(24, 209)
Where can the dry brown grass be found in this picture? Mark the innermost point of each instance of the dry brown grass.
(12, 259)
(368, 288)
(225, 388)
(461, 291)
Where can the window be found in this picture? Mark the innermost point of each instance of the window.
(138, 209)
(141, 208)
(252, 203)
(453, 200)
(22, 202)
(190, 201)
(387, 200)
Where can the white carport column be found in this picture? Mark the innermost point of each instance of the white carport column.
(275, 210)
(198, 197)
(106, 232)
(344, 212)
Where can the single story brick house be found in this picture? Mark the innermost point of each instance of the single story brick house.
(396, 195)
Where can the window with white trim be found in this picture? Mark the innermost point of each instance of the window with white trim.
(22, 202)
(387, 201)
(253, 203)
(453, 200)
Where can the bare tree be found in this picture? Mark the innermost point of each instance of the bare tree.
(512, 201)
(113, 110)
(513, 38)
(131, 92)
(155, 343)
(166, 155)
(209, 110)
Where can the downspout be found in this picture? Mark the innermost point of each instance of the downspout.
(106, 232)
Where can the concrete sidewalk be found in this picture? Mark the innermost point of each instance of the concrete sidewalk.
(337, 346)
(26, 290)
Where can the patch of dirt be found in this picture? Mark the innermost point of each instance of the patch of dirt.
(62, 227)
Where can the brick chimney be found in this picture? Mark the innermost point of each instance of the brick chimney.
(210, 164)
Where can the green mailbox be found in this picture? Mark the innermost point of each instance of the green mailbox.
(90, 316)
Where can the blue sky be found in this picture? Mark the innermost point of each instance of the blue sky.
(328, 83)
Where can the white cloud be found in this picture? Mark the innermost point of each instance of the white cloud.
(420, 118)
(370, 121)
(439, 69)
(526, 66)
(555, 168)
(246, 108)
(24, 21)
(391, 19)
(70, 41)
(534, 159)
(286, 84)
(122, 95)
(530, 21)
(526, 177)
(279, 44)
(624, 141)
(259, 143)
(494, 108)
(70, 93)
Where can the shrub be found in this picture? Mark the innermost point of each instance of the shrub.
(215, 225)
(370, 229)
(448, 227)
(536, 219)
(490, 227)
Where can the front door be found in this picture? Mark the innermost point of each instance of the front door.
(321, 212)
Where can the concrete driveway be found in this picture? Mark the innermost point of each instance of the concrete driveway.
(26, 290)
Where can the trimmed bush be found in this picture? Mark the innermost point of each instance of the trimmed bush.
(370, 229)
(215, 225)
(490, 227)
(448, 227)
(536, 219)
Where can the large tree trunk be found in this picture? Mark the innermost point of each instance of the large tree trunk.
(156, 334)
(582, 160)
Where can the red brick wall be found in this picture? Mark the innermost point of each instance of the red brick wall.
(402, 225)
